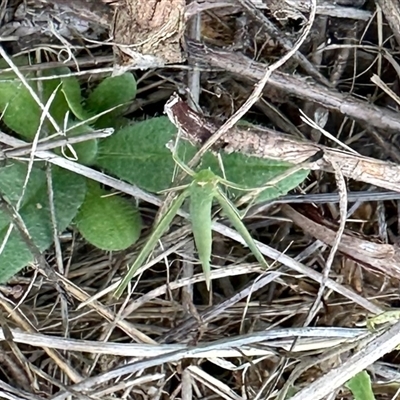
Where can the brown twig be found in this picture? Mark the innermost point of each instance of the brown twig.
(266, 143)
(297, 86)
(391, 10)
(328, 8)
(384, 258)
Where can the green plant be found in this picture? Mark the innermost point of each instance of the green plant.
(360, 386)
(137, 153)
(110, 223)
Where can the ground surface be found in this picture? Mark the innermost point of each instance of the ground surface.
(247, 338)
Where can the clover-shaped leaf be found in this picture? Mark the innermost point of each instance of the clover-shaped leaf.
(112, 92)
(108, 222)
(69, 192)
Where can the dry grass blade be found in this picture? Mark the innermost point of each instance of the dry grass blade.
(234, 347)
(175, 355)
(335, 378)
(335, 245)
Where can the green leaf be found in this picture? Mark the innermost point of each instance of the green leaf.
(202, 192)
(69, 192)
(21, 112)
(109, 223)
(291, 392)
(111, 92)
(151, 242)
(118, 123)
(86, 151)
(252, 172)
(72, 92)
(19, 61)
(59, 106)
(68, 97)
(138, 154)
(12, 178)
(360, 386)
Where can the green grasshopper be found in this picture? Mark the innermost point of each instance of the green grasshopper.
(202, 191)
(387, 317)
(204, 188)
